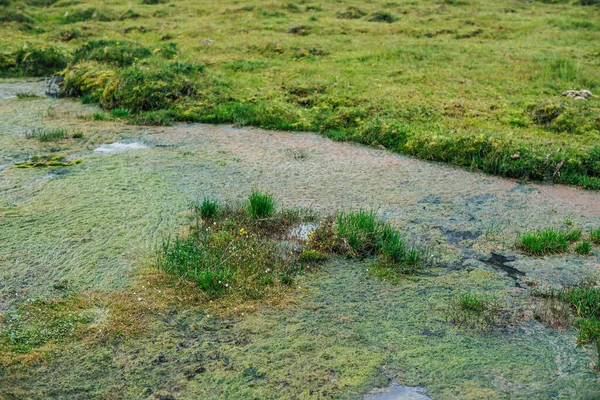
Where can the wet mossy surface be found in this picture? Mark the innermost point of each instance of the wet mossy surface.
(338, 332)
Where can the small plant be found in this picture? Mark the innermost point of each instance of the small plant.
(382, 16)
(313, 256)
(361, 234)
(209, 208)
(475, 311)
(27, 96)
(584, 301)
(595, 235)
(583, 248)
(261, 205)
(77, 135)
(119, 113)
(351, 13)
(46, 135)
(547, 241)
(229, 256)
(573, 235)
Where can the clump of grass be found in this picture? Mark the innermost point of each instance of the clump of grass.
(382, 16)
(312, 256)
(351, 13)
(47, 161)
(229, 258)
(27, 96)
(120, 53)
(208, 209)
(360, 234)
(474, 310)
(595, 235)
(584, 301)
(583, 248)
(573, 235)
(548, 241)
(46, 135)
(119, 113)
(261, 205)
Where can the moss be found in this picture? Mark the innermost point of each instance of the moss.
(32, 61)
(48, 161)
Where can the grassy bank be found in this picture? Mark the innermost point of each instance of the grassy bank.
(475, 84)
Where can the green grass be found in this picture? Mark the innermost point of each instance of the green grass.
(547, 241)
(475, 311)
(296, 68)
(261, 205)
(41, 322)
(595, 235)
(208, 209)
(361, 234)
(584, 248)
(27, 96)
(585, 302)
(234, 256)
(47, 134)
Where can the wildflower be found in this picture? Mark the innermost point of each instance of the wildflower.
(139, 299)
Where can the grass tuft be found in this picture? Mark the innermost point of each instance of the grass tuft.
(584, 248)
(595, 235)
(46, 135)
(474, 310)
(261, 205)
(208, 209)
(547, 241)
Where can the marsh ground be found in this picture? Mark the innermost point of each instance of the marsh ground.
(89, 230)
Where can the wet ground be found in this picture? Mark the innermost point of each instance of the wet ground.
(94, 224)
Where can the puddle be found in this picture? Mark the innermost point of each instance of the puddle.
(498, 262)
(300, 232)
(119, 147)
(399, 392)
(10, 90)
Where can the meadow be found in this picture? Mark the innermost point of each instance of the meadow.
(471, 83)
(155, 244)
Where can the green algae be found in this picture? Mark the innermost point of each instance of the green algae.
(335, 341)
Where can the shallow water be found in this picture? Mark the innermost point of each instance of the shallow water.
(10, 90)
(96, 224)
(119, 147)
(399, 392)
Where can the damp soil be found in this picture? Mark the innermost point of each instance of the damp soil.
(97, 224)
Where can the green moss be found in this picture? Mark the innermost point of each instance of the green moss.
(41, 322)
(48, 161)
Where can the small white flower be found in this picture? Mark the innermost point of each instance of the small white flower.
(139, 299)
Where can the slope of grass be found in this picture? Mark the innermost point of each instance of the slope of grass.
(475, 84)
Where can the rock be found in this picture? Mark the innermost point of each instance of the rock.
(53, 86)
(578, 94)
(207, 41)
